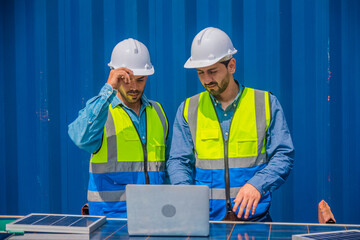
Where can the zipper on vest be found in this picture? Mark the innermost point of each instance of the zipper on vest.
(226, 165)
(147, 180)
(144, 148)
(227, 177)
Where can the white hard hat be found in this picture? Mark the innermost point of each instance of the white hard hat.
(209, 47)
(134, 55)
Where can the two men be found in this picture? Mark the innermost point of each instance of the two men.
(125, 132)
(231, 138)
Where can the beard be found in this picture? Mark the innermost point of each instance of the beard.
(219, 87)
(132, 96)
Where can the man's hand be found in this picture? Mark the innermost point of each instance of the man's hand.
(247, 197)
(118, 75)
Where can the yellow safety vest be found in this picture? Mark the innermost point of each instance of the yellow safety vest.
(121, 141)
(245, 140)
(244, 152)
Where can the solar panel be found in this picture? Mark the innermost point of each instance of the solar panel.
(117, 229)
(346, 235)
(58, 223)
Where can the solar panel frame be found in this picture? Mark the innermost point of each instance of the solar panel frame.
(334, 235)
(40, 222)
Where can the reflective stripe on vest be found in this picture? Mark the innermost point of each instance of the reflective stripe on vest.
(219, 193)
(126, 167)
(106, 196)
(236, 162)
(162, 116)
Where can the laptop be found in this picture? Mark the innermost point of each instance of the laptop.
(167, 210)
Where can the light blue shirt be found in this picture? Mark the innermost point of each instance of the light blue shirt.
(279, 147)
(87, 129)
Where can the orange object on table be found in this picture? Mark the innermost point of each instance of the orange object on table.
(325, 214)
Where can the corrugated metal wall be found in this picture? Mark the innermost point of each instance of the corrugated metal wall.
(54, 55)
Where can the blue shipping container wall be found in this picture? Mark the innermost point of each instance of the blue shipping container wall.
(54, 55)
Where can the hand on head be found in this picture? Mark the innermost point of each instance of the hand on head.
(118, 75)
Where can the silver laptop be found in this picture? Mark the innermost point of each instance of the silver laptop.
(167, 210)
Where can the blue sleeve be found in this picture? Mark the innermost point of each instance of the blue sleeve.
(280, 152)
(181, 163)
(87, 129)
(167, 153)
(167, 148)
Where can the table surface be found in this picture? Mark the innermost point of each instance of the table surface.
(117, 229)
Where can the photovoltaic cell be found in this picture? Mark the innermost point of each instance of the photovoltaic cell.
(66, 221)
(31, 219)
(84, 222)
(345, 235)
(48, 220)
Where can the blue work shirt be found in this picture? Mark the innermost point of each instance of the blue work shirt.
(279, 147)
(87, 129)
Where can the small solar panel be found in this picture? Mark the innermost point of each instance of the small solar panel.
(58, 223)
(346, 235)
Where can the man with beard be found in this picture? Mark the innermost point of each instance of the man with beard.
(232, 138)
(125, 132)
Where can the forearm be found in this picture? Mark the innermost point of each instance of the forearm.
(180, 171)
(87, 129)
(274, 174)
(280, 152)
